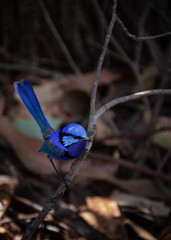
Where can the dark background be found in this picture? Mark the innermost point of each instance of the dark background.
(123, 149)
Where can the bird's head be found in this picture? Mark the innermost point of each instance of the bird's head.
(73, 133)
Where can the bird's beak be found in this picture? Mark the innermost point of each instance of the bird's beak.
(86, 139)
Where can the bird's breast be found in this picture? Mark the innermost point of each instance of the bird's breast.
(76, 149)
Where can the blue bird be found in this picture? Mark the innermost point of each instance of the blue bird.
(63, 144)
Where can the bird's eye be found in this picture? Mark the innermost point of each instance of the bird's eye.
(77, 137)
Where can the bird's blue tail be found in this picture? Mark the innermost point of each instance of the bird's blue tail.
(29, 98)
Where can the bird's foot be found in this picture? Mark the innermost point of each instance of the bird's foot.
(61, 179)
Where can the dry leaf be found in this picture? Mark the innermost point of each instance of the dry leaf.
(2, 230)
(102, 214)
(75, 104)
(7, 188)
(107, 76)
(103, 206)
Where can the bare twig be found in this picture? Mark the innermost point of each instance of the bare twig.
(131, 97)
(101, 59)
(141, 38)
(140, 30)
(134, 65)
(110, 123)
(138, 53)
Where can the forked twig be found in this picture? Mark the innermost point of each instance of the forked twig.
(101, 59)
(141, 38)
(131, 97)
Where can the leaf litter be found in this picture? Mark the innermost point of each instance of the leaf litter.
(105, 200)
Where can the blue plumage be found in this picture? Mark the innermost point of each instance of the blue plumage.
(63, 144)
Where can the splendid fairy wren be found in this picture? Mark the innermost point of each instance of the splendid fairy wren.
(63, 144)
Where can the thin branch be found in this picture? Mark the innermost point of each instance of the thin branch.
(49, 205)
(133, 65)
(131, 97)
(110, 123)
(56, 196)
(142, 38)
(101, 59)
